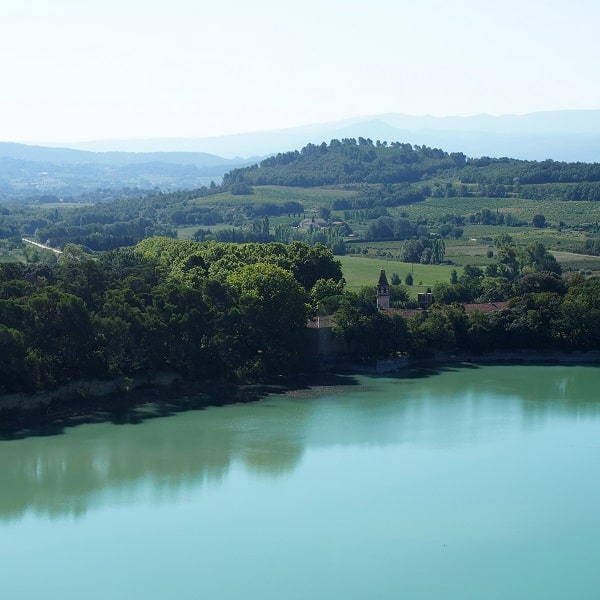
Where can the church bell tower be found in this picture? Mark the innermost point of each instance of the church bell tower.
(383, 292)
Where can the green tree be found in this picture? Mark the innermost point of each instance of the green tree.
(15, 374)
(325, 295)
(58, 326)
(369, 333)
(539, 259)
(273, 315)
(438, 251)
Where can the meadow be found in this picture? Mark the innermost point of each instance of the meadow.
(308, 197)
(362, 271)
(461, 252)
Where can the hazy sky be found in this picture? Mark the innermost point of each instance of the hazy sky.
(93, 69)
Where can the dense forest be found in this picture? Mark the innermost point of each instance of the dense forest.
(203, 310)
(348, 161)
(351, 161)
(239, 312)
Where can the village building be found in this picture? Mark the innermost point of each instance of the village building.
(314, 222)
(424, 301)
(330, 346)
(383, 292)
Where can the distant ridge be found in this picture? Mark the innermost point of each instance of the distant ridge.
(29, 171)
(569, 135)
(72, 156)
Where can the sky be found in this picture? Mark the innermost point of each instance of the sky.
(75, 70)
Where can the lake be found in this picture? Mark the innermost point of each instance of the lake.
(469, 483)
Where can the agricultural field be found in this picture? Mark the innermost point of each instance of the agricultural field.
(361, 271)
(571, 213)
(578, 262)
(472, 248)
(552, 238)
(308, 197)
(460, 252)
(434, 208)
(464, 253)
(478, 241)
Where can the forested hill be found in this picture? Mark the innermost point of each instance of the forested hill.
(351, 161)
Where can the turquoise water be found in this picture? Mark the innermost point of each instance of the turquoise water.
(474, 483)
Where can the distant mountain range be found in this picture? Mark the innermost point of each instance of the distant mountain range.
(568, 135)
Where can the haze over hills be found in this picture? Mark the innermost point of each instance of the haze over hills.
(29, 170)
(184, 163)
(60, 155)
(568, 135)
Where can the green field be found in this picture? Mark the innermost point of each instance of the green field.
(481, 237)
(360, 271)
(557, 240)
(578, 262)
(463, 252)
(309, 197)
(571, 213)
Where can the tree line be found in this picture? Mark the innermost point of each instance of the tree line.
(350, 161)
(239, 312)
(205, 310)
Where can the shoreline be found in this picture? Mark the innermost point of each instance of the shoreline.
(508, 357)
(132, 400)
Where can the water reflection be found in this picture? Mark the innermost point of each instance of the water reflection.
(61, 475)
(163, 458)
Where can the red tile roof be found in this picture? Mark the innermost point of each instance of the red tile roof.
(485, 307)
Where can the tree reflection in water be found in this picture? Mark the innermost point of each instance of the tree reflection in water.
(92, 465)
